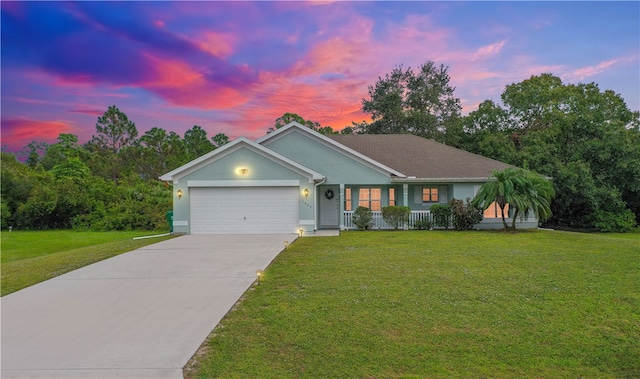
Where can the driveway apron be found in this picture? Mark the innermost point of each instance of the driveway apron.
(142, 314)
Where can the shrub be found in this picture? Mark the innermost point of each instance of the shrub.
(396, 215)
(464, 216)
(363, 218)
(5, 215)
(441, 215)
(615, 222)
(422, 224)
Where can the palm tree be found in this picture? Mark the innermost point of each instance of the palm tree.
(523, 190)
(535, 195)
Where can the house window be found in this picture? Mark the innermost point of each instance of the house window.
(494, 211)
(347, 199)
(429, 195)
(392, 196)
(370, 198)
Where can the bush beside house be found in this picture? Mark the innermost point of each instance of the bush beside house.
(464, 216)
(396, 215)
(441, 215)
(363, 218)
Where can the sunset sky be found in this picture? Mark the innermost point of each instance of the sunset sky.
(234, 67)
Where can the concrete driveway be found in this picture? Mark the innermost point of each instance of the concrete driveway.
(138, 315)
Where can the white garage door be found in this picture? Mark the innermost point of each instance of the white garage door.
(244, 210)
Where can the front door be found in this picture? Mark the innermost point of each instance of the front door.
(329, 206)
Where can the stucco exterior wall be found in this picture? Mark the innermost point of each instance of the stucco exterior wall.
(464, 191)
(227, 168)
(338, 168)
(415, 195)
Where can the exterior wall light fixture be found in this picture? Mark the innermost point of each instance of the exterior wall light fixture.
(244, 171)
(305, 193)
(179, 193)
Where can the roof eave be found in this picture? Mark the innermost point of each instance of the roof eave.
(439, 180)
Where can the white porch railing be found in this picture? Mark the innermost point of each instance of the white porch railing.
(379, 223)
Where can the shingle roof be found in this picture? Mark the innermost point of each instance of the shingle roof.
(420, 157)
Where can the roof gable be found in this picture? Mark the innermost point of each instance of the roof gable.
(331, 143)
(229, 148)
(421, 158)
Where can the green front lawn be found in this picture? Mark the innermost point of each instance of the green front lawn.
(416, 304)
(30, 257)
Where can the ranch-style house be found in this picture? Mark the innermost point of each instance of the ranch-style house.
(295, 180)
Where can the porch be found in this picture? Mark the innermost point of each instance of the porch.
(379, 223)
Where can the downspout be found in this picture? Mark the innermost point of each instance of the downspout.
(315, 203)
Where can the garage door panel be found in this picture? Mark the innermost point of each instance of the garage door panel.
(244, 210)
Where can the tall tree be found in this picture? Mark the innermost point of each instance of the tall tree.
(115, 131)
(72, 186)
(66, 148)
(177, 151)
(34, 153)
(417, 102)
(113, 147)
(220, 140)
(196, 142)
(291, 117)
(153, 153)
(586, 139)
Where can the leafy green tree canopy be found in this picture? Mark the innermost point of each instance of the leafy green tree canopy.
(220, 140)
(196, 142)
(586, 139)
(418, 102)
(294, 117)
(115, 131)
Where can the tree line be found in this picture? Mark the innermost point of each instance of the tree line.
(109, 183)
(585, 139)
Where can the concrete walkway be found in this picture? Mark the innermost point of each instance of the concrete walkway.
(138, 315)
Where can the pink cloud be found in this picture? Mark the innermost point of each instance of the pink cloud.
(93, 112)
(482, 75)
(588, 71)
(220, 45)
(178, 83)
(336, 55)
(489, 50)
(42, 76)
(321, 2)
(327, 85)
(335, 104)
(20, 132)
(418, 29)
(28, 100)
